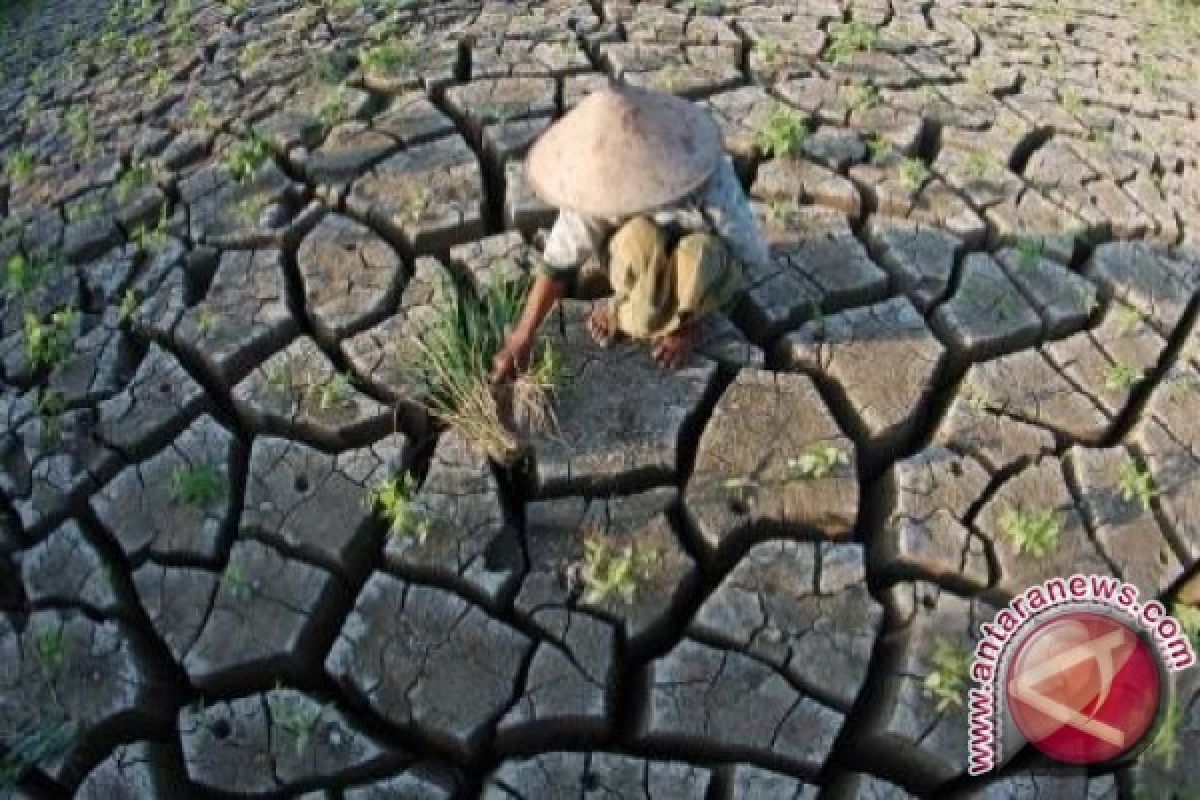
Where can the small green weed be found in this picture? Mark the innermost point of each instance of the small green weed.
(200, 111)
(44, 739)
(207, 321)
(129, 305)
(614, 573)
(1030, 250)
(243, 160)
(452, 363)
(1165, 746)
(768, 50)
(1136, 483)
(158, 82)
(295, 718)
(334, 111)
(198, 485)
(332, 393)
(865, 97)
(1128, 319)
(20, 165)
(848, 38)
(878, 149)
(782, 134)
(133, 178)
(50, 650)
(48, 344)
(1188, 617)
(393, 499)
(913, 173)
(1032, 531)
(1121, 377)
(983, 163)
(816, 463)
(26, 274)
(946, 682)
(390, 57)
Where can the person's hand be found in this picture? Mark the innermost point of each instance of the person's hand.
(512, 358)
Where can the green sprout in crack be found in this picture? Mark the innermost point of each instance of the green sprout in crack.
(1087, 298)
(1033, 531)
(390, 57)
(878, 149)
(200, 111)
(1188, 617)
(131, 180)
(816, 463)
(49, 404)
(50, 650)
(978, 401)
(768, 50)
(79, 125)
(848, 38)
(295, 717)
(614, 573)
(865, 97)
(393, 501)
(1128, 319)
(250, 208)
(235, 581)
(159, 80)
(152, 239)
(24, 274)
(334, 111)
(128, 306)
(1136, 483)
(982, 163)
(1030, 250)
(1121, 377)
(49, 343)
(44, 739)
(87, 208)
(243, 160)
(198, 485)
(19, 165)
(946, 682)
(207, 321)
(913, 173)
(782, 134)
(251, 55)
(332, 393)
(415, 202)
(1165, 746)
(1071, 101)
(139, 45)
(780, 210)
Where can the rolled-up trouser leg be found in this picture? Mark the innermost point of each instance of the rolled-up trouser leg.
(639, 271)
(706, 276)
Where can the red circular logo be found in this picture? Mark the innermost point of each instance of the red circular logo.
(1084, 688)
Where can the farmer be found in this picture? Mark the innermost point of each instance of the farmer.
(645, 190)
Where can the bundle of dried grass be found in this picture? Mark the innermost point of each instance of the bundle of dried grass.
(451, 362)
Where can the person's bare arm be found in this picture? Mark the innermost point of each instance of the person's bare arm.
(514, 356)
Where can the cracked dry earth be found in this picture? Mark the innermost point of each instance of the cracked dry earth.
(983, 295)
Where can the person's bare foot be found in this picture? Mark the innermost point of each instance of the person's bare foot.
(672, 349)
(602, 324)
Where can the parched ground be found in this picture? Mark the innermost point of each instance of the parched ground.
(983, 298)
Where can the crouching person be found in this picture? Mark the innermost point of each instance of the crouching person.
(646, 194)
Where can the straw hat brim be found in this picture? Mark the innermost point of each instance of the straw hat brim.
(624, 151)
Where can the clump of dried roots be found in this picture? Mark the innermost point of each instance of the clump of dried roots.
(452, 362)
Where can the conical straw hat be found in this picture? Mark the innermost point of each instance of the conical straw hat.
(624, 151)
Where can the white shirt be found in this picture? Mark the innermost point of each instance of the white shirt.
(719, 206)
